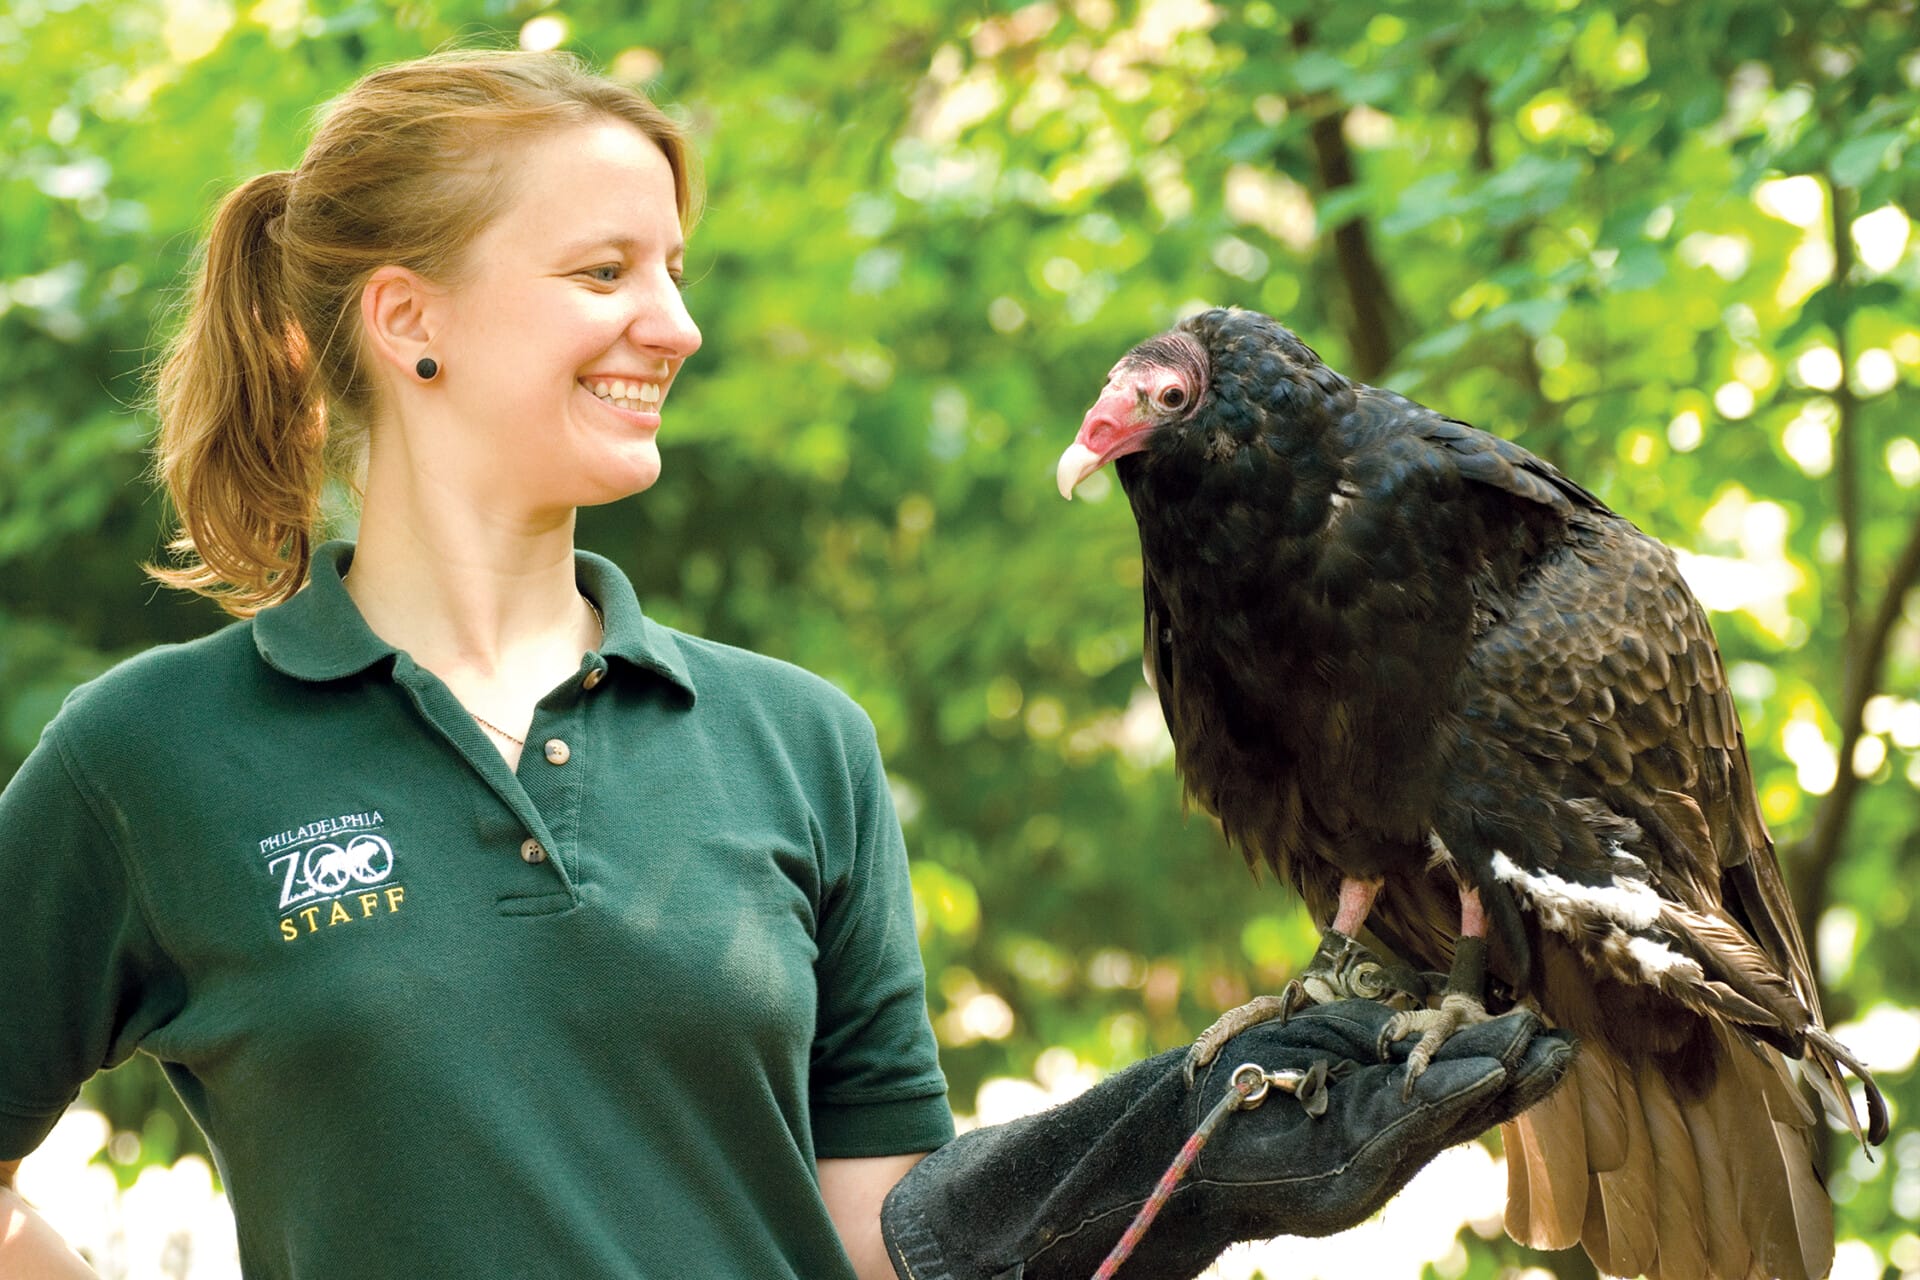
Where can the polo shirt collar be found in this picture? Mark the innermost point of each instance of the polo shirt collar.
(630, 634)
(320, 635)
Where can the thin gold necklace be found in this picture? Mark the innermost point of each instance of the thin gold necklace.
(485, 723)
(488, 724)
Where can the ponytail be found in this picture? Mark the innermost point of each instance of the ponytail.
(264, 386)
(242, 430)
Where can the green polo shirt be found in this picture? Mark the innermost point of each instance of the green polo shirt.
(594, 1017)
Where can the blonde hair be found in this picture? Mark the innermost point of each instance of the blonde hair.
(261, 394)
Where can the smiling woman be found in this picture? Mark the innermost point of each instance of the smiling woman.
(584, 338)
(429, 176)
(642, 1000)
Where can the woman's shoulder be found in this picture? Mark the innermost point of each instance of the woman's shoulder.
(170, 685)
(748, 681)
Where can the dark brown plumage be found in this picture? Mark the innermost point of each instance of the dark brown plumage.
(1393, 649)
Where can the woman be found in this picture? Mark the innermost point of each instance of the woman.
(487, 926)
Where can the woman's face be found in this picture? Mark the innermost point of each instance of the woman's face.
(562, 341)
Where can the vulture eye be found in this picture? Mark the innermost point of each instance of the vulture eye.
(1173, 397)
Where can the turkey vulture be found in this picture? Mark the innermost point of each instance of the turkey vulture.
(1448, 695)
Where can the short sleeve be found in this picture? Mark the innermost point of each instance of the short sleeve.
(876, 1086)
(85, 979)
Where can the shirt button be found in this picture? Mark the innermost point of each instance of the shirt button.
(594, 677)
(557, 752)
(532, 850)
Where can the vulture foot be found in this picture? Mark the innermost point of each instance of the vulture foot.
(1460, 1007)
(1342, 969)
(1231, 1023)
(1457, 1010)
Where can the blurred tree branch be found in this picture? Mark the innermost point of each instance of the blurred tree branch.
(1865, 641)
(1374, 321)
(1812, 861)
(1846, 444)
(1512, 244)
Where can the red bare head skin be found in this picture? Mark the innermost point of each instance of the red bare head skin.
(1159, 381)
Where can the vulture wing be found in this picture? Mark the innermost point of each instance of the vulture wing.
(1597, 677)
(1595, 684)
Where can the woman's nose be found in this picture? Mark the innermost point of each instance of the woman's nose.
(665, 325)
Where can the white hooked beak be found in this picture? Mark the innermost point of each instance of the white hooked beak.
(1076, 464)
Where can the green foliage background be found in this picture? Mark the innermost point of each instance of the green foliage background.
(932, 227)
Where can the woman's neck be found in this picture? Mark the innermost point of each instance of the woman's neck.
(471, 592)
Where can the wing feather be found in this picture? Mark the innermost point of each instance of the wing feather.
(1607, 610)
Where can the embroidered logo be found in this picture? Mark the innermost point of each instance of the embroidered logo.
(331, 872)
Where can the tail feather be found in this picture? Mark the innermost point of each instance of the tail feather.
(1811, 1206)
(1621, 1233)
(1547, 1155)
(1728, 1252)
(1519, 1221)
(1680, 1205)
(1602, 1113)
(1784, 1210)
(1720, 1187)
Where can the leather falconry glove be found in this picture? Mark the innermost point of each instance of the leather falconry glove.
(1046, 1198)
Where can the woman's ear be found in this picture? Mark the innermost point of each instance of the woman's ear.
(397, 314)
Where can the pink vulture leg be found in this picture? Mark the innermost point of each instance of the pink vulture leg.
(1356, 900)
(1341, 969)
(1461, 1006)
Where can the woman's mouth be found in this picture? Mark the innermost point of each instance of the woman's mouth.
(634, 397)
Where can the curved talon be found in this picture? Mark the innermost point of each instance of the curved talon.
(1416, 1067)
(1228, 1025)
(1394, 1029)
(1196, 1059)
(1436, 1027)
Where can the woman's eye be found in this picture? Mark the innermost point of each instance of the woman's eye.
(605, 274)
(1174, 397)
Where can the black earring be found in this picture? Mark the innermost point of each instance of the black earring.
(426, 367)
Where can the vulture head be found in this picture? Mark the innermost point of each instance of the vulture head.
(1224, 387)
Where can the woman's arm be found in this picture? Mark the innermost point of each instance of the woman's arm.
(853, 1190)
(30, 1250)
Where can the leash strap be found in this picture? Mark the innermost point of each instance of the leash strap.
(1250, 1084)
